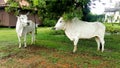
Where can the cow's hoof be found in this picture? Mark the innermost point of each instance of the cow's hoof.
(25, 46)
(19, 47)
(73, 52)
(102, 51)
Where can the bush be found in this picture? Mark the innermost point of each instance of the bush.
(70, 15)
(57, 32)
(47, 22)
(112, 28)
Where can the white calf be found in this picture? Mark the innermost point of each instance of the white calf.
(23, 27)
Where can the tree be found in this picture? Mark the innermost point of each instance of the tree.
(53, 9)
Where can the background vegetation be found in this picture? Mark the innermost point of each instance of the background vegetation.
(49, 10)
(112, 27)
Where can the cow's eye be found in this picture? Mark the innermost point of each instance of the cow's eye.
(60, 21)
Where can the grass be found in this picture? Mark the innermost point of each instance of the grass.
(53, 50)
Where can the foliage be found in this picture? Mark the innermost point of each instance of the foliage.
(38, 4)
(48, 22)
(53, 9)
(78, 9)
(35, 2)
(12, 6)
(112, 28)
(92, 18)
(71, 15)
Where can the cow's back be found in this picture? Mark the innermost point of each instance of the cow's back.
(83, 29)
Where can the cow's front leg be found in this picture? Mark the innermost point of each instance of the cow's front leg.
(25, 41)
(75, 45)
(19, 41)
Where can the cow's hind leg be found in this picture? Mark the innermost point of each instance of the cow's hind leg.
(102, 43)
(98, 43)
(75, 45)
(19, 40)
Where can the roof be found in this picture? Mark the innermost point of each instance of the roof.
(112, 9)
(22, 3)
(3, 3)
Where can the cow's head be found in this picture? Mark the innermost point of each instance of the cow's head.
(23, 20)
(60, 24)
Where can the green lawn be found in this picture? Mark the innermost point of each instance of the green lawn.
(53, 50)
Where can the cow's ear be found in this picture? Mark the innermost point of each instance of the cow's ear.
(18, 13)
(27, 13)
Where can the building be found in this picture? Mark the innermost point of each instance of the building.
(9, 19)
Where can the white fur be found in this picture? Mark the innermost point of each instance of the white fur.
(23, 27)
(76, 29)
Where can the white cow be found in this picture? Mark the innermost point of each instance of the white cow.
(23, 27)
(76, 29)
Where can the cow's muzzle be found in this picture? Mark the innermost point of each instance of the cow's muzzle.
(28, 23)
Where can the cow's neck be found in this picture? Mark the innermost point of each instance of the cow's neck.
(68, 30)
(19, 27)
(66, 25)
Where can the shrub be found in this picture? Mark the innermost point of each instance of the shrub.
(72, 14)
(57, 32)
(47, 22)
(112, 28)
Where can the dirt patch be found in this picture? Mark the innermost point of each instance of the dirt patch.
(34, 48)
(42, 57)
(29, 62)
